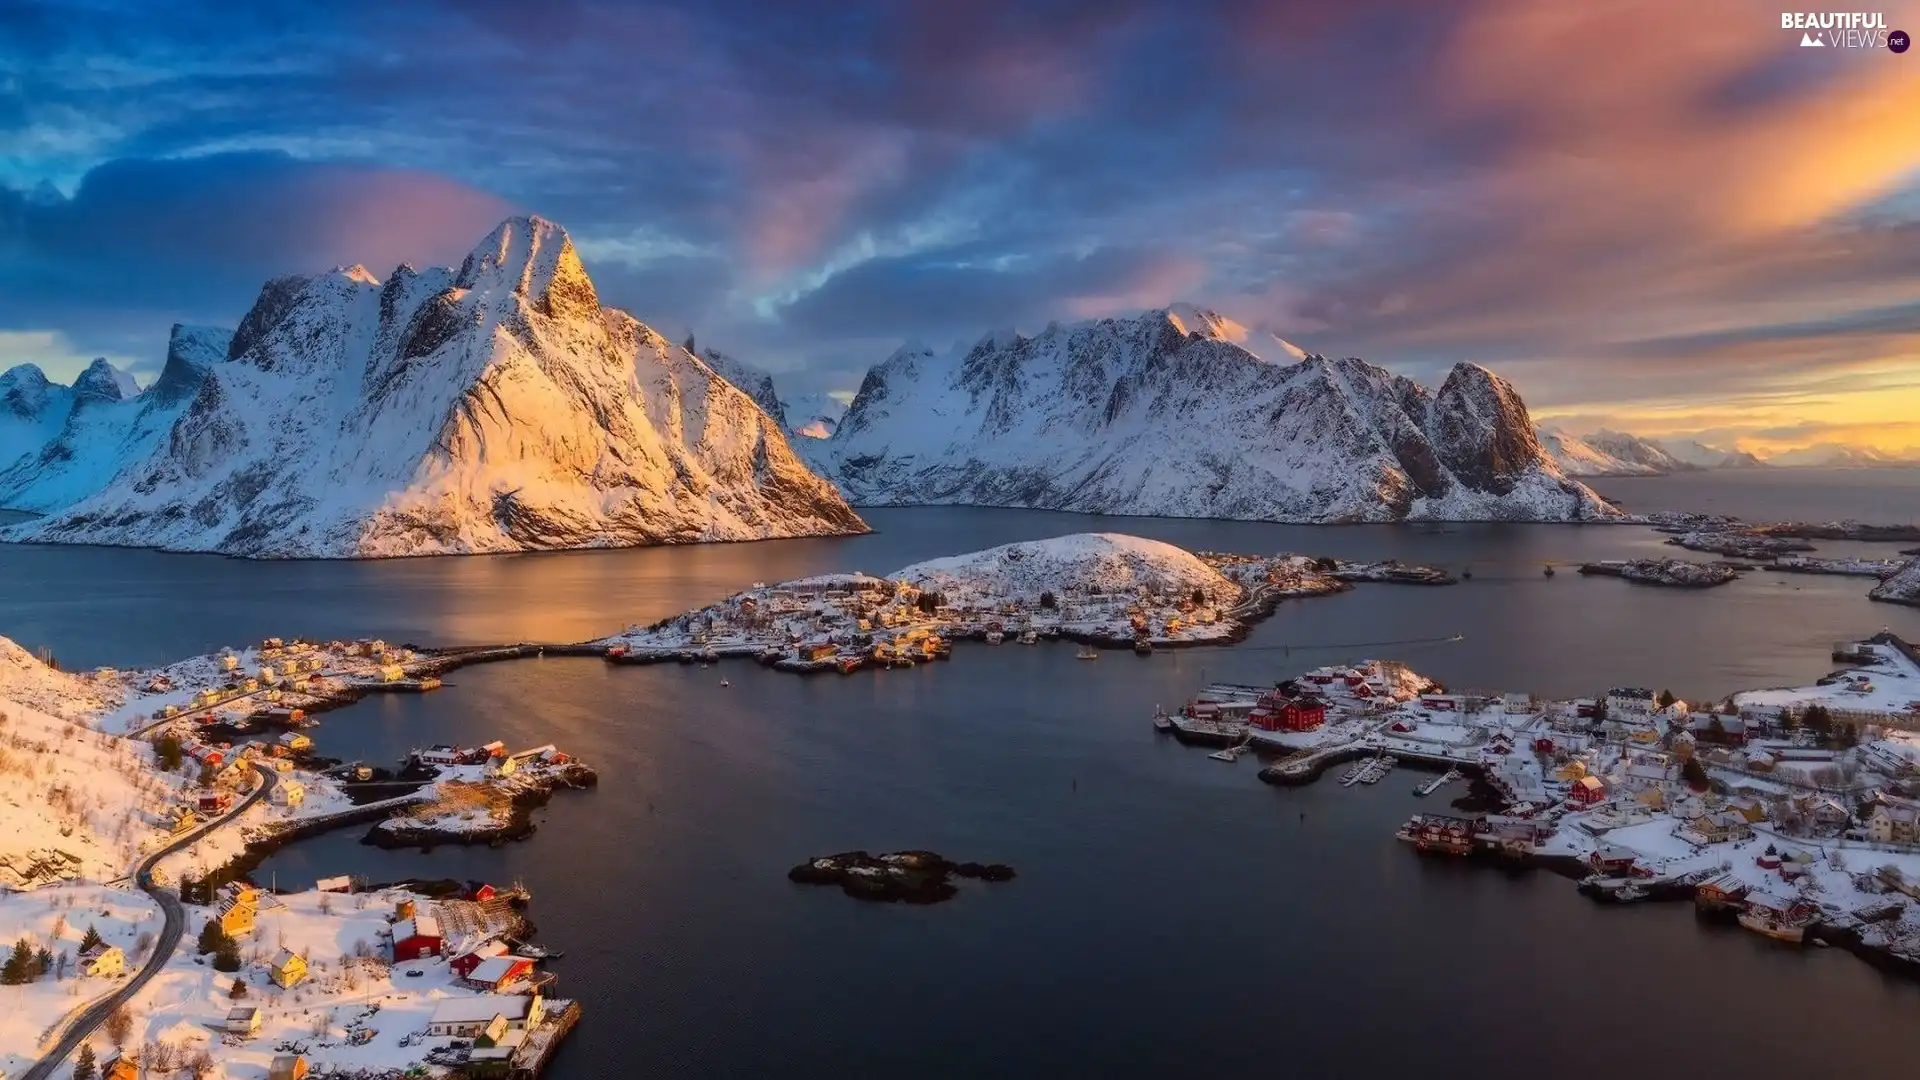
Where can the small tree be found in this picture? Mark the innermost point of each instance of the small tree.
(1666, 699)
(84, 1067)
(19, 966)
(169, 751)
(119, 1026)
(689, 343)
(1199, 596)
(1694, 774)
(1818, 720)
(89, 939)
(1047, 601)
(213, 937)
(227, 956)
(42, 962)
(238, 990)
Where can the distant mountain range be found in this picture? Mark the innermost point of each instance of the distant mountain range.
(1174, 413)
(1611, 453)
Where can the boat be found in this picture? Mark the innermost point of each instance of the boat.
(995, 637)
(1087, 652)
(1143, 647)
(1161, 721)
(725, 683)
(1775, 928)
(1549, 569)
(848, 663)
(1629, 893)
(1029, 638)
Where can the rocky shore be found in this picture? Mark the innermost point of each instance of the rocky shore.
(1673, 573)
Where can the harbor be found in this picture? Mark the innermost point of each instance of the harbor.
(1777, 809)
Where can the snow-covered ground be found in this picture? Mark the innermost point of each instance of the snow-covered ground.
(56, 919)
(1084, 563)
(1887, 686)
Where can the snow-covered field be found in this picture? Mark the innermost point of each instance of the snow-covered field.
(56, 919)
(1887, 686)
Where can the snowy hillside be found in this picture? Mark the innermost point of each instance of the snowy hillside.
(757, 383)
(1838, 456)
(1108, 563)
(812, 415)
(1902, 588)
(108, 428)
(1709, 457)
(73, 802)
(1609, 453)
(1165, 414)
(494, 408)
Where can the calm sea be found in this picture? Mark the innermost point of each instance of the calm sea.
(1173, 916)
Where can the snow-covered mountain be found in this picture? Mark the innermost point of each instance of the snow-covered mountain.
(107, 428)
(31, 410)
(757, 383)
(1709, 457)
(1165, 414)
(816, 416)
(1838, 456)
(812, 415)
(1608, 453)
(498, 407)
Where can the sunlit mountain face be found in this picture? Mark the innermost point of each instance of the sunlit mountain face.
(1705, 235)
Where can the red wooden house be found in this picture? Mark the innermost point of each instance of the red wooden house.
(1276, 713)
(1587, 791)
(1439, 702)
(496, 973)
(481, 892)
(464, 964)
(1611, 859)
(416, 937)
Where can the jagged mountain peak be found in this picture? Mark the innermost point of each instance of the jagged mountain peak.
(534, 258)
(102, 381)
(191, 350)
(494, 409)
(24, 388)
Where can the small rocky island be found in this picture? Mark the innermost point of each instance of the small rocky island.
(1675, 573)
(912, 877)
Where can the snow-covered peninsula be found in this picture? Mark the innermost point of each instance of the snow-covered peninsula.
(1170, 414)
(496, 407)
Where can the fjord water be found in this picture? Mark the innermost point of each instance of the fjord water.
(1172, 914)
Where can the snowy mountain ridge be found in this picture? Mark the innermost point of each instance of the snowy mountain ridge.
(107, 428)
(1709, 457)
(493, 408)
(811, 415)
(1839, 456)
(1609, 453)
(1165, 414)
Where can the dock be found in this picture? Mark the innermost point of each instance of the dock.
(1439, 782)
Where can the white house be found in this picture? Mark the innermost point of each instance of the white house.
(1630, 699)
(1893, 824)
(103, 960)
(244, 1020)
(469, 1016)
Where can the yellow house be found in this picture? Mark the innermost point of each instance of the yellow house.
(1652, 798)
(236, 916)
(288, 970)
(1571, 771)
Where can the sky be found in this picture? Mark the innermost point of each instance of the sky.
(1667, 218)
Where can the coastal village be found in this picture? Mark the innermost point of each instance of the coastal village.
(1794, 811)
(221, 766)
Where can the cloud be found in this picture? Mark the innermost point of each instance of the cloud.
(1617, 202)
(142, 244)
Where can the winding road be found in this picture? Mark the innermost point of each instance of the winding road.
(175, 927)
